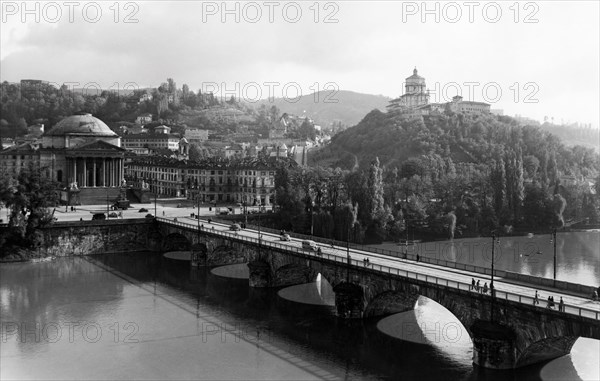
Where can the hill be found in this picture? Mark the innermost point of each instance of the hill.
(463, 138)
(327, 107)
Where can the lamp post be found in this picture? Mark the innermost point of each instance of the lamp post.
(312, 207)
(198, 213)
(348, 254)
(553, 241)
(492, 289)
(155, 195)
(494, 241)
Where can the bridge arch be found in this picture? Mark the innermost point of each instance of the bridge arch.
(225, 255)
(175, 242)
(292, 274)
(390, 302)
(546, 349)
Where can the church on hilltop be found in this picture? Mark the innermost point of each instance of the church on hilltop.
(415, 101)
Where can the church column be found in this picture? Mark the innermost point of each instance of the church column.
(77, 179)
(103, 171)
(85, 184)
(74, 160)
(109, 172)
(112, 172)
(94, 173)
(119, 176)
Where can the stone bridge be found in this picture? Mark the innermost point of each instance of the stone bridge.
(506, 332)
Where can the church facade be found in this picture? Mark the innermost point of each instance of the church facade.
(81, 153)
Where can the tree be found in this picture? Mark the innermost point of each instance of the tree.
(29, 196)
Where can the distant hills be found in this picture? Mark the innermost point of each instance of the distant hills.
(327, 107)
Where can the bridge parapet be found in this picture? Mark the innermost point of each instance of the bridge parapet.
(531, 279)
(359, 265)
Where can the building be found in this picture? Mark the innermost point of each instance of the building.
(145, 97)
(234, 150)
(195, 135)
(415, 101)
(415, 94)
(458, 105)
(214, 180)
(137, 142)
(143, 118)
(80, 152)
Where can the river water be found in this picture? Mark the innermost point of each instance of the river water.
(577, 254)
(141, 316)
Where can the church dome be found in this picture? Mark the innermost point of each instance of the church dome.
(415, 77)
(84, 124)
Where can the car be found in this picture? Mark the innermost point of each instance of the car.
(112, 215)
(309, 245)
(143, 210)
(99, 216)
(235, 227)
(284, 237)
(149, 215)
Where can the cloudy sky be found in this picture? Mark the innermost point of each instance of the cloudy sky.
(531, 58)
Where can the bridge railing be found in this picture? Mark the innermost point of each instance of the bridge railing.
(531, 279)
(522, 299)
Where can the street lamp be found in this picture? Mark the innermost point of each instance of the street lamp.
(348, 253)
(259, 237)
(312, 207)
(494, 241)
(553, 241)
(155, 195)
(198, 213)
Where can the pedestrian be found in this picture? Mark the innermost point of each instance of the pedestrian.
(477, 286)
(492, 290)
(163, 213)
(536, 300)
(80, 218)
(561, 305)
(418, 258)
(549, 302)
(485, 288)
(472, 284)
(595, 295)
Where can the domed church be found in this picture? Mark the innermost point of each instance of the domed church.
(81, 153)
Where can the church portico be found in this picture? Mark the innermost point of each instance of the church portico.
(95, 171)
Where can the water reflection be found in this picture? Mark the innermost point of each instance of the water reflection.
(431, 324)
(194, 324)
(237, 271)
(318, 293)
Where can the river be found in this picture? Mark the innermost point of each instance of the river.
(141, 316)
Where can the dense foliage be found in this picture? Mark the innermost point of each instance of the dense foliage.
(30, 197)
(453, 173)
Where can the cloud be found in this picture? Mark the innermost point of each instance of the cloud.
(369, 49)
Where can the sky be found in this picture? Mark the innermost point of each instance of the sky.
(536, 59)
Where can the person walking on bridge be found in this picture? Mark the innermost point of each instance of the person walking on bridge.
(561, 305)
(477, 286)
(485, 288)
(472, 284)
(536, 300)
